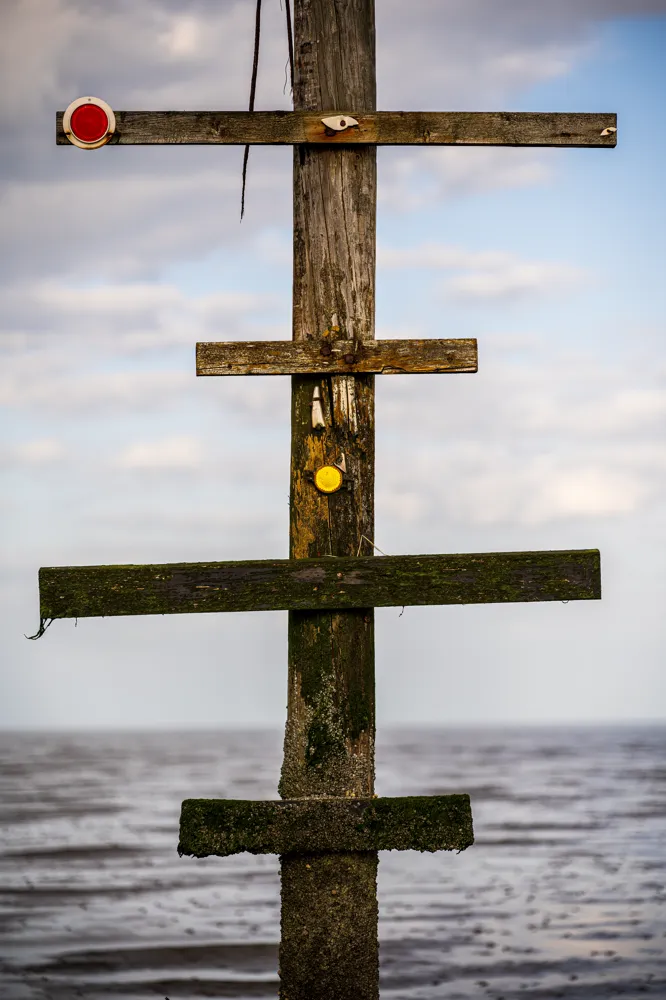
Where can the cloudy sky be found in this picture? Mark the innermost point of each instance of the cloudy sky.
(117, 261)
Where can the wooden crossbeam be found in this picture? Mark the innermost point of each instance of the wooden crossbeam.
(319, 584)
(412, 823)
(382, 128)
(337, 357)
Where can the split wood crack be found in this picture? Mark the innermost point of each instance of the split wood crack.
(328, 825)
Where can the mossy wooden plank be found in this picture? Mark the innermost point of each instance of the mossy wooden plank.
(319, 584)
(327, 356)
(412, 823)
(381, 128)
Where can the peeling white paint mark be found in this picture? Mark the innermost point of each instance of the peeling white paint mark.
(338, 123)
(317, 411)
(344, 399)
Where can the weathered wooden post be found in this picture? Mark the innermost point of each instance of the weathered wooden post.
(329, 826)
(329, 901)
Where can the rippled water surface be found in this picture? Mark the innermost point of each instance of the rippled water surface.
(562, 894)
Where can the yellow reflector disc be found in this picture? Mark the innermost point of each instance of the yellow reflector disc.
(328, 479)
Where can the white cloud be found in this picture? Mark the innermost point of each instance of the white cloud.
(545, 440)
(185, 37)
(443, 54)
(514, 278)
(142, 315)
(587, 491)
(485, 274)
(55, 329)
(469, 483)
(403, 505)
(40, 451)
(410, 180)
(181, 451)
(131, 53)
(65, 378)
(131, 224)
(455, 61)
(611, 414)
(35, 35)
(70, 391)
(436, 255)
(546, 62)
(548, 397)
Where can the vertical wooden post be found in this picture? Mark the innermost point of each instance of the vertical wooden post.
(329, 945)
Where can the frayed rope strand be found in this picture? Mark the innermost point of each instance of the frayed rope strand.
(364, 538)
(253, 90)
(43, 625)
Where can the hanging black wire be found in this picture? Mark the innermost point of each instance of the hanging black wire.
(43, 625)
(290, 42)
(253, 83)
(253, 90)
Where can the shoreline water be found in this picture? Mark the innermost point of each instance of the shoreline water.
(562, 893)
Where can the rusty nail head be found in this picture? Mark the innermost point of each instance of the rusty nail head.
(349, 358)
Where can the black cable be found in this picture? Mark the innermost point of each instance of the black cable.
(253, 90)
(290, 42)
(43, 625)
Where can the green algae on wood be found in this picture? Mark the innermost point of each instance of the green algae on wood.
(329, 926)
(412, 823)
(319, 584)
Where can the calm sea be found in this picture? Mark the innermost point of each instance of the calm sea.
(562, 895)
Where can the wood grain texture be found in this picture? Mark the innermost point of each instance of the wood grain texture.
(319, 584)
(329, 743)
(337, 357)
(412, 823)
(379, 128)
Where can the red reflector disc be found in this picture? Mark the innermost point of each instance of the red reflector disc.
(89, 123)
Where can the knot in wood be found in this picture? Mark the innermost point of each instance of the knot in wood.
(325, 349)
(349, 359)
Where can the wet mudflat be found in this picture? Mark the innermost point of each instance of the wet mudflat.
(562, 895)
